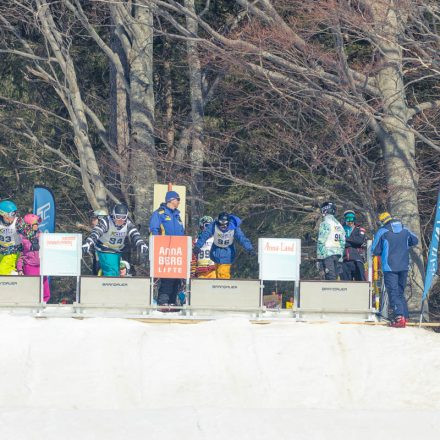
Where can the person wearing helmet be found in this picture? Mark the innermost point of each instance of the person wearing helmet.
(392, 243)
(124, 269)
(108, 239)
(166, 221)
(201, 264)
(28, 262)
(225, 230)
(10, 241)
(353, 264)
(331, 242)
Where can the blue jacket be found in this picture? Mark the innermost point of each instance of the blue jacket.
(392, 242)
(225, 255)
(166, 221)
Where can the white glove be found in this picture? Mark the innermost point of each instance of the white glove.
(143, 249)
(86, 248)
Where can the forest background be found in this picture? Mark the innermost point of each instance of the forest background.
(263, 108)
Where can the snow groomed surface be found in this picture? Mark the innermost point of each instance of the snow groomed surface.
(114, 378)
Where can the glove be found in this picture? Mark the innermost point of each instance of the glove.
(143, 249)
(196, 250)
(35, 245)
(86, 248)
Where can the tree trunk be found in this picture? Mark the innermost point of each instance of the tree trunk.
(142, 162)
(398, 142)
(118, 127)
(197, 115)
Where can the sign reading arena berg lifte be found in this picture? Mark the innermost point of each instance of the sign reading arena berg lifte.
(170, 256)
(279, 258)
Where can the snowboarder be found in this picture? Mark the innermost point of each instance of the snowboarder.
(392, 242)
(224, 231)
(331, 242)
(10, 241)
(108, 240)
(201, 265)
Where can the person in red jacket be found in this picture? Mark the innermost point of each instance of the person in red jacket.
(28, 262)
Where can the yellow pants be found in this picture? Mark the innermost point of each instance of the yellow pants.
(211, 274)
(8, 264)
(223, 271)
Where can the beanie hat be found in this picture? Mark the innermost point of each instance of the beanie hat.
(171, 195)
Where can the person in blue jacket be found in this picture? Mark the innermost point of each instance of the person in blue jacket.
(166, 221)
(392, 242)
(225, 230)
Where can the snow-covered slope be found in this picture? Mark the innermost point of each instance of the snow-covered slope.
(122, 379)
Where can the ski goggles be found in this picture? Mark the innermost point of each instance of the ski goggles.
(120, 216)
(11, 214)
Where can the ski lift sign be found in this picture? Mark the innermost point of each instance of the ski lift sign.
(170, 256)
(279, 258)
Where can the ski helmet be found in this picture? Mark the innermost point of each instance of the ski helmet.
(8, 208)
(223, 220)
(328, 208)
(350, 216)
(384, 218)
(120, 212)
(100, 213)
(124, 265)
(32, 219)
(204, 221)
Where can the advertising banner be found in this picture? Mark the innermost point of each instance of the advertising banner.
(60, 254)
(330, 296)
(44, 206)
(279, 258)
(170, 256)
(115, 291)
(432, 263)
(233, 294)
(19, 290)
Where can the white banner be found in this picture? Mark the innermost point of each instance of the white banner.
(279, 258)
(60, 254)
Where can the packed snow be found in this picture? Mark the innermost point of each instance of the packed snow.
(63, 378)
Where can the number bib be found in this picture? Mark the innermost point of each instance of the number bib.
(9, 235)
(334, 237)
(223, 239)
(114, 238)
(203, 257)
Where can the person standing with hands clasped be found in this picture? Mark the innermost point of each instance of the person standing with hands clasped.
(166, 221)
(225, 230)
(392, 243)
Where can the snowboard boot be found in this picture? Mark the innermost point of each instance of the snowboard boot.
(398, 322)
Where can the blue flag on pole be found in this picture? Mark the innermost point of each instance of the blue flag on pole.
(44, 206)
(432, 264)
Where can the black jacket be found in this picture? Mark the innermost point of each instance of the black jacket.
(354, 244)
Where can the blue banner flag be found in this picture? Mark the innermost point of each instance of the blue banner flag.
(432, 264)
(44, 206)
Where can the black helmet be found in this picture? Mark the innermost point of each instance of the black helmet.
(328, 208)
(223, 220)
(120, 212)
